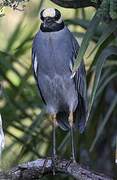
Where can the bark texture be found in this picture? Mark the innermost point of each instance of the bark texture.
(36, 169)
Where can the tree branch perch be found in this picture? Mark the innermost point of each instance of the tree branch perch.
(75, 3)
(34, 169)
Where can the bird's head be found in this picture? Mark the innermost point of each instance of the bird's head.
(51, 20)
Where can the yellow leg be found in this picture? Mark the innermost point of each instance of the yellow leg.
(72, 136)
(71, 119)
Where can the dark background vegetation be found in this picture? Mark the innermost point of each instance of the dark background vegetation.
(26, 126)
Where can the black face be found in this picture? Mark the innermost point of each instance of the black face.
(49, 23)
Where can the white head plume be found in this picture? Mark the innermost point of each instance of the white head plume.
(49, 12)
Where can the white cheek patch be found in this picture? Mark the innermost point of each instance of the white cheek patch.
(49, 12)
(35, 64)
(59, 21)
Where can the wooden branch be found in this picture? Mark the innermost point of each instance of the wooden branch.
(36, 169)
(75, 3)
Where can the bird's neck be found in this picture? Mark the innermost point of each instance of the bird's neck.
(53, 28)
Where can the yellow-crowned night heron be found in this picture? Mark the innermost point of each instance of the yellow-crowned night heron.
(64, 94)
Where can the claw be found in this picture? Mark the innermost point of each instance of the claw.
(54, 158)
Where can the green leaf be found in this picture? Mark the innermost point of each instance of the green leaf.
(112, 50)
(64, 142)
(106, 34)
(87, 38)
(81, 22)
(105, 120)
(105, 83)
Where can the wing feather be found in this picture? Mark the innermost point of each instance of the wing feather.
(80, 84)
(35, 70)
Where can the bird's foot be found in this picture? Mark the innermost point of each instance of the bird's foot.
(72, 160)
(54, 158)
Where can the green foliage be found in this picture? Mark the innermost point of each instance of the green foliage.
(14, 4)
(113, 9)
(27, 127)
(87, 37)
(108, 9)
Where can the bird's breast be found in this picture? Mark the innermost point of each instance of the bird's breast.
(54, 53)
(59, 91)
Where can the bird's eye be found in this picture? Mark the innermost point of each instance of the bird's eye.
(58, 14)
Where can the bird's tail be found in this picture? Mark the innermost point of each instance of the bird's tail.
(79, 120)
(62, 119)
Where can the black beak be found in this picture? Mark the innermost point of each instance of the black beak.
(47, 21)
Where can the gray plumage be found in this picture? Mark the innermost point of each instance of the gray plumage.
(53, 56)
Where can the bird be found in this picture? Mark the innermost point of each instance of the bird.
(54, 51)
